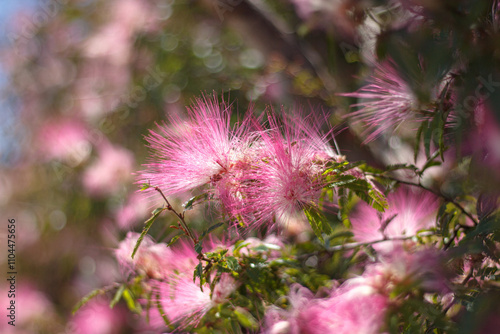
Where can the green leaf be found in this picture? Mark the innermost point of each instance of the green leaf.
(161, 310)
(131, 302)
(485, 205)
(193, 200)
(342, 180)
(174, 239)
(416, 149)
(364, 190)
(198, 272)
(118, 296)
(232, 263)
(265, 247)
(210, 229)
(317, 222)
(157, 211)
(370, 169)
(87, 298)
(239, 245)
(394, 167)
(198, 247)
(213, 227)
(486, 226)
(146, 228)
(341, 234)
(379, 200)
(358, 185)
(347, 166)
(145, 186)
(245, 318)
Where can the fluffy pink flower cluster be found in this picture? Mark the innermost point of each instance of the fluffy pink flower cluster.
(360, 304)
(409, 212)
(171, 272)
(258, 174)
(386, 102)
(354, 307)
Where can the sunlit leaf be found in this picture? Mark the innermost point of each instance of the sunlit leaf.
(146, 228)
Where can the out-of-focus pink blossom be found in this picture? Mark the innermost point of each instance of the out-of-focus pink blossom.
(181, 299)
(31, 309)
(486, 142)
(329, 13)
(408, 213)
(98, 318)
(223, 289)
(135, 209)
(387, 102)
(64, 139)
(100, 88)
(355, 307)
(202, 150)
(404, 269)
(351, 309)
(114, 41)
(151, 259)
(107, 175)
(279, 321)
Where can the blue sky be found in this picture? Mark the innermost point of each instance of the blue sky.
(8, 7)
(7, 108)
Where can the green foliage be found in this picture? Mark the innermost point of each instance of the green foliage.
(194, 201)
(319, 65)
(118, 295)
(146, 228)
(245, 318)
(88, 297)
(317, 222)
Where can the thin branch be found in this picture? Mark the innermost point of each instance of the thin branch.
(419, 185)
(353, 245)
(452, 237)
(464, 281)
(180, 216)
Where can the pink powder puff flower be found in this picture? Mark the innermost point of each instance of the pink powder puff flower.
(114, 41)
(403, 269)
(182, 301)
(223, 289)
(151, 259)
(204, 150)
(38, 309)
(408, 213)
(98, 318)
(279, 321)
(288, 176)
(354, 307)
(328, 14)
(65, 139)
(485, 140)
(171, 270)
(387, 102)
(350, 309)
(156, 259)
(134, 210)
(180, 298)
(107, 174)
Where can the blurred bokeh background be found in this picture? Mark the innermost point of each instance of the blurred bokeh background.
(84, 80)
